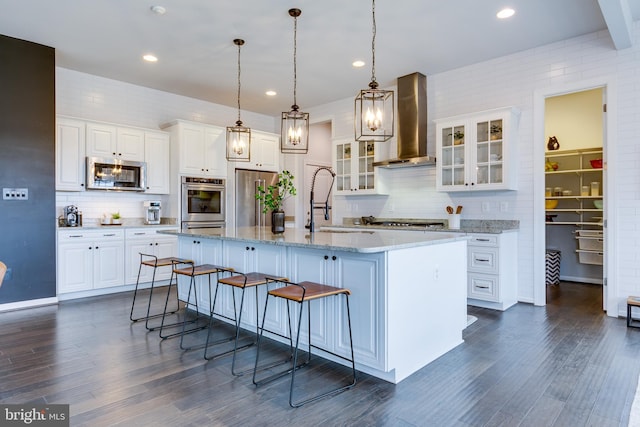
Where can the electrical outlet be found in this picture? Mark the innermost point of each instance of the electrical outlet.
(15, 194)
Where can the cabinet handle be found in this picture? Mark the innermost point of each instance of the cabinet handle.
(333, 258)
(482, 287)
(139, 234)
(481, 240)
(326, 257)
(76, 235)
(108, 235)
(482, 260)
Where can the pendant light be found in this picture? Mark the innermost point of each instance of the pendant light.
(294, 137)
(238, 136)
(373, 119)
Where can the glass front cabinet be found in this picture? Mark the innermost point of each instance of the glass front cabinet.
(477, 151)
(353, 164)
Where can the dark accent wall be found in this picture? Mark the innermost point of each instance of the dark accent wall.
(27, 160)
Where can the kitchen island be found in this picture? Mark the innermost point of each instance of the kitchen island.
(408, 303)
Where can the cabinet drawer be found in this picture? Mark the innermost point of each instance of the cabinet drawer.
(483, 260)
(484, 287)
(78, 235)
(483, 240)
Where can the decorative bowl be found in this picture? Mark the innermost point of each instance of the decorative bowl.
(597, 204)
(550, 204)
(596, 163)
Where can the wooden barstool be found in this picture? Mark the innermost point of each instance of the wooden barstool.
(300, 293)
(632, 302)
(191, 270)
(154, 262)
(237, 281)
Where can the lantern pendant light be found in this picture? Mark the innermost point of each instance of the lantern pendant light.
(238, 136)
(294, 138)
(373, 119)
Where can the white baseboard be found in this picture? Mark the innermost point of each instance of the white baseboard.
(19, 305)
(582, 280)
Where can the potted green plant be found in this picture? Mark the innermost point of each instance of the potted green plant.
(115, 218)
(496, 132)
(274, 196)
(458, 137)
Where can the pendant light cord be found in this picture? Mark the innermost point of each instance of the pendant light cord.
(295, 56)
(239, 82)
(373, 43)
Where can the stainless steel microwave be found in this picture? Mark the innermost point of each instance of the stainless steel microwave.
(115, 174)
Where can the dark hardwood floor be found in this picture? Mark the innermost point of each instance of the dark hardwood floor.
(566, 364)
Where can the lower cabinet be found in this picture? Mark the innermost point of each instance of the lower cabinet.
(200, 251)
(90, 260)
(492, 270)
(147, 241)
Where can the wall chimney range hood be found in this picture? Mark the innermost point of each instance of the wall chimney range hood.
(412, 124)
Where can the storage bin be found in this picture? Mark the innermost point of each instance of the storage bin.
(590, 240)
(552, 267)
(590, 257)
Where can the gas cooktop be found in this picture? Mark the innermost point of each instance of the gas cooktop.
(402, 222)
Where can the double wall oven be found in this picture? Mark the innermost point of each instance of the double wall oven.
(203, 203)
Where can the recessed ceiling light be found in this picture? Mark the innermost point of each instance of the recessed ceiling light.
(158, 10)
(357, 64)
(150, 58)
(505, 13)
(271, 93)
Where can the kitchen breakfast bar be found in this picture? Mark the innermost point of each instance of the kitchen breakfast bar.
(408, 301)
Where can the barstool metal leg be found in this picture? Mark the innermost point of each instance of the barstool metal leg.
(192, 285)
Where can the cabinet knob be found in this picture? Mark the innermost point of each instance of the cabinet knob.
(247, 248)
(156, 244)
(96, 247)
(334, 258)
(150, 244)
(81, 185)
(119, 154)
(253, 249)
(326, 257)
(90, 248)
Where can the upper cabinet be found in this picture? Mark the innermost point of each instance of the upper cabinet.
(70, 154)
(265, 151)
(201, 149)
(477, 151)
(77, 139)
(156, 154)
(105, 140)
(353, 164)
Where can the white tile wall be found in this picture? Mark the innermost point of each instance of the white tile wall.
(512, 81)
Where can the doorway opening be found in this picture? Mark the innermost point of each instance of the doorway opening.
(575, 190)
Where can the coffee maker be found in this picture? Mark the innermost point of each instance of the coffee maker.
(70, 217)
(152, 212)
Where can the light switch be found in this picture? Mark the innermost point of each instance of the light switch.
(15, 194)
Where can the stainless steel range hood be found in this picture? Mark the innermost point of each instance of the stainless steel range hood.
(412, 124)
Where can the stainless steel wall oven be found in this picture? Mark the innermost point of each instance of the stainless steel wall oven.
(203, 203)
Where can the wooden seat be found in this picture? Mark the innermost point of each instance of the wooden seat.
(190, 269)
(300, 293)
(241, 281)
(3, 270)
(632, 302)
(154, 262)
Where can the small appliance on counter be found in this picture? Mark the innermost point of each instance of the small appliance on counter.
(152, 212)
(70, 217)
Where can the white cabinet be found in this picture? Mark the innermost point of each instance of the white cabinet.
(253, 257)
(147, 241)
(492, 270)
(363, 275)
(107, 140)
(70, 154)
(157, 156)
(265, 151)
(200, 148)
(200, 251)
(477, 151)
(90, 260)
(353, 164)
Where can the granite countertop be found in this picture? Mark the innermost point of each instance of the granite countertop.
(365, 241)
(94, 224)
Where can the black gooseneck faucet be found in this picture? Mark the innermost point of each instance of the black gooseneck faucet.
(325, 206)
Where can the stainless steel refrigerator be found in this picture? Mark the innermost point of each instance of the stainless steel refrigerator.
(248, 208)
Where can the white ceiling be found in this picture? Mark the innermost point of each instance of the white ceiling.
(197, 58)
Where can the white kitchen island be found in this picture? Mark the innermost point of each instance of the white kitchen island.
(408, 303)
